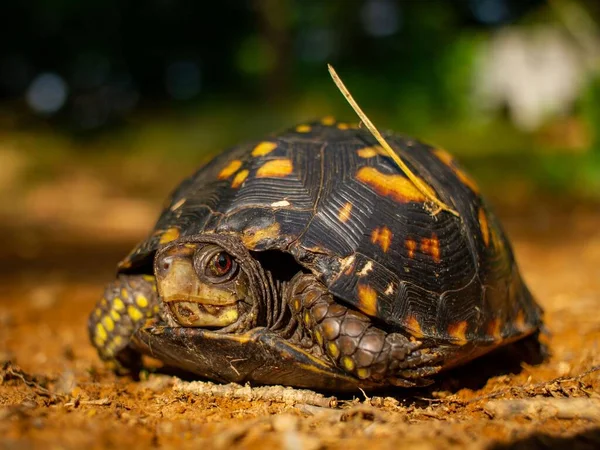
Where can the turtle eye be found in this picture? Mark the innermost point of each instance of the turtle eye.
(221, 265)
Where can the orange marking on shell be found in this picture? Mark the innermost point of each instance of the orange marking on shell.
(397, 187)
(519, 322)
(411, 246)
(383, 237)
(344, 212)
(494, 329)
(239, 178)
(448, 160)
(303, 128)
(369, 152)
(458, 332)
(328, 120)
(414, 327)
(431, 247)
(343, 126)
(229, 169)
(367, 297)
(170, 235)
(276, 168)
(484, 227)
(252, 237)
(264, 148)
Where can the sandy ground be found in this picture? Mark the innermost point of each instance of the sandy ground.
(55, 393)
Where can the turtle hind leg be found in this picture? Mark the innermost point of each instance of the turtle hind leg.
(127, 303)
(354, 343)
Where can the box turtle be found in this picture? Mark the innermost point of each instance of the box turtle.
(310, 259)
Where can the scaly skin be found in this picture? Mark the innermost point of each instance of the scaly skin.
(127, 303)
(353, 342)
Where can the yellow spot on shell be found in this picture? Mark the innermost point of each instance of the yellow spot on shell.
(343, 126)
(101, 332)
(134, 313)
(170, 235)
(458, 332)
(239, 178)
(483, 226)
(431, 247)
(118, 304)
(367, 297)
(414, 327)
(141, 301)
(494, 329)
(275, 168)
(230, 169)
(108, 323)
(383, 237)
(124, 293)
(333, 349)
(264, 148)
(328, 120)
(251, 237)
(303, 128)
(397, 187)
(448, 160)
(115, 315)
(369, 152)
(348, 363)
(411, 246)
(344, 212)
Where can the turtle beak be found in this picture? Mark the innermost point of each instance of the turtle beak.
(193, 303)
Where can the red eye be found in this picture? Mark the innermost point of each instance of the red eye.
(221, 264)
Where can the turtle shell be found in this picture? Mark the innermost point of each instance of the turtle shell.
(326, 194)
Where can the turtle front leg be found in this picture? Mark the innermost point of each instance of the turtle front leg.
(127, 303)
(353, 342)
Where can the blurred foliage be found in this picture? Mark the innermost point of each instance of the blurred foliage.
(177, 80)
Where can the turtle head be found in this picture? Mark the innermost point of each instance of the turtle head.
(205, 283)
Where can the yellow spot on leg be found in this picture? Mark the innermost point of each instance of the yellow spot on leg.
(141, 301)
(303, 128)
(101, 332)
(397, 187)
(115, 315)
(458, 332)
(275, 168)
(124, 293)
(319, 337)
(367, 297)
(363, 373)
(348, 363)
(134, 313)
(98, 312)
(229, 169)
(264, 148)
(483, 226)
(118, 304)
(170, 235)
(333, 349)
(344, 212)
(148, 278)
(108, 323)
(239, 178)
(117, 341)
(383, 237)
(328, 120)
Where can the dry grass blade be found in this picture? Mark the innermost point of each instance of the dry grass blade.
(422, 187)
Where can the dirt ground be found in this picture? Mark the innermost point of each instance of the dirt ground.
(55, 393)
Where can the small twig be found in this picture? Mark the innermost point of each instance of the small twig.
(427, 191)
(280, 394)
(99, 402)
(545, 408)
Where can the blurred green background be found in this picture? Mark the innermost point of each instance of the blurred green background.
(106, 104)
